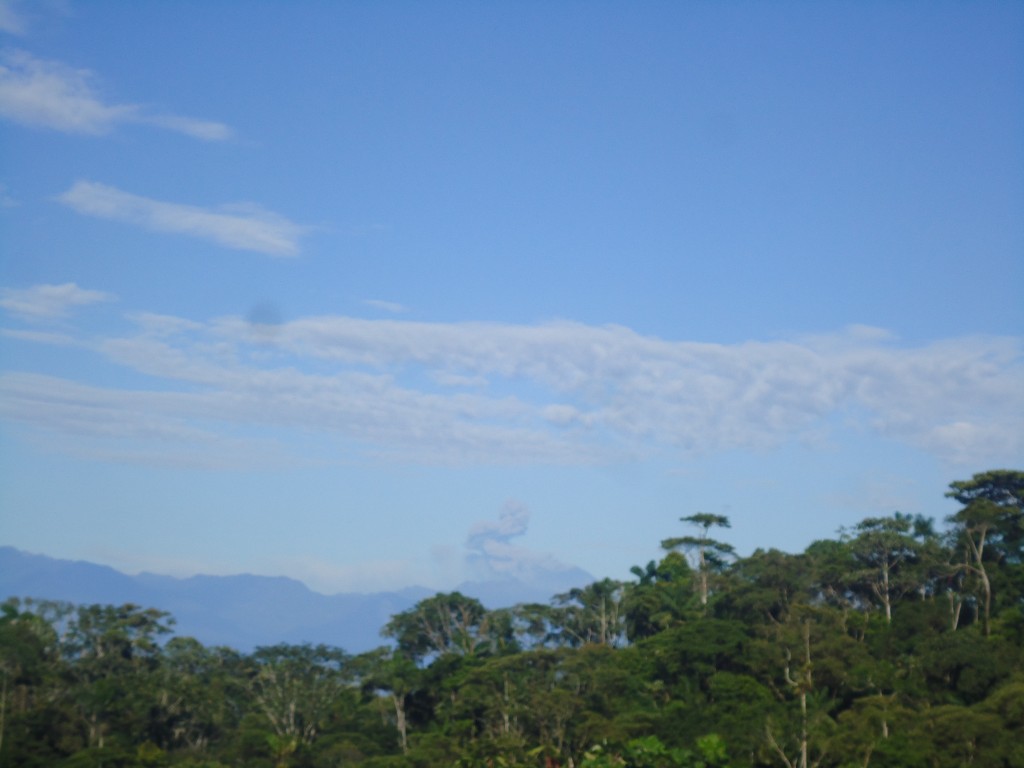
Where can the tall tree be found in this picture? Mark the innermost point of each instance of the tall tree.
(708, 553)
(989, 527)
(798, 640)
(885, 551)
(390, 677)
(590, 615)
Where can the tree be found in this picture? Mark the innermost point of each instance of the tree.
(23, 660)
(885, 551)
(989, 527)
(1003, 487)
(533, 625)
(798, 677)
(202, 690)
(448, 623)
(866, 730)
(660, 598)
(764, 586)
(709, 554)
(590, 614)
(116, 654)
(650, 752)
(963, 736)
(393, 676)
(831, 565)
(294, 686)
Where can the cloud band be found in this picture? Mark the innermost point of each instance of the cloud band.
(243, 227)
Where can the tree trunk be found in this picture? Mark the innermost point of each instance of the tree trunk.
(803, 694)
(803, 730)
(955, 606)
(399, 702)
(885, 592)
(703, 579)
(988, 600)
(3, 711)
(978, 553)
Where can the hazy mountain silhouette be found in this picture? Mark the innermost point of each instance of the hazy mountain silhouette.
(245, 611)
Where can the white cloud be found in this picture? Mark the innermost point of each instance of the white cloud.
(40, 337)
(48, 302)
(560, 393)
(170, 429)
(205, 130)
(697, 397)
(244, 227)
(386, 306)
(53, 95)
(151, 323)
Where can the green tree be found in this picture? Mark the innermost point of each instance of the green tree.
(650, 752)
(886, 553)
(801, 741)
(590, 614)
(533, 625)
(391, 677)
(765, 586)
(293, 688)
(24, 661)
(201, 692)
(831, 566)
(989, 527)
(116, 653)
(449, 623)
(709, 554)
(660, 598)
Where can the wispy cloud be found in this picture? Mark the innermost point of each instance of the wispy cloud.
(559, 393)
(53, 95)
(48, 302)
(242, 226)
(40, 337)
(190, 126)
(386, 306)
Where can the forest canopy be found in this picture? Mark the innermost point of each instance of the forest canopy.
(896, 643)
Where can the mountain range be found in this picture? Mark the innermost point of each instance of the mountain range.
(245, 611)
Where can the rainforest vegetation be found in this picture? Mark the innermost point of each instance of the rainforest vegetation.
(897, 643)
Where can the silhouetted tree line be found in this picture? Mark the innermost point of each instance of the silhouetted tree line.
(893, 644)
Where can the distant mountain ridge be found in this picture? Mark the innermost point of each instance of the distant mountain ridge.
(245, 611)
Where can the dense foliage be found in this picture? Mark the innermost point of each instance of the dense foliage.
(892, 645)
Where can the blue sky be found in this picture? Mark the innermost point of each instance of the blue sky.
(380, 294)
